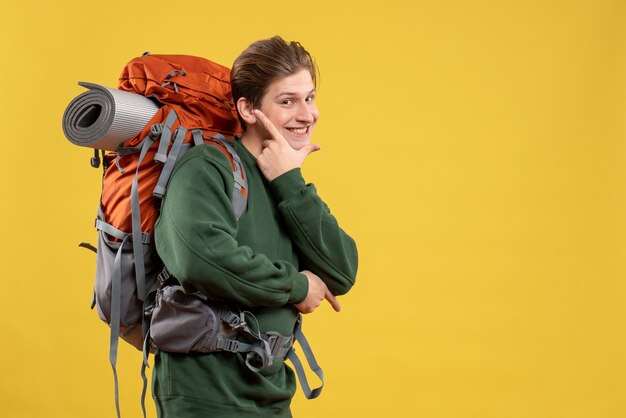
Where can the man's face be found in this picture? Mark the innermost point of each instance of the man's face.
(290, 104)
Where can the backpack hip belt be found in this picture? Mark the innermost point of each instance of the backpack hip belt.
(190, 322)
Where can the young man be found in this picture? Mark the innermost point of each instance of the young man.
(284, 255)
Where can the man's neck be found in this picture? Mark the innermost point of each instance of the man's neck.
(252, 141)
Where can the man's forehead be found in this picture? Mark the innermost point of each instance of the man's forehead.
(297, 83)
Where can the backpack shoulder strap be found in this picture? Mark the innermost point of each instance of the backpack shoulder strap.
(240, 189)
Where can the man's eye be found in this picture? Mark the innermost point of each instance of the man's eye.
(287, 101)
(310, 99)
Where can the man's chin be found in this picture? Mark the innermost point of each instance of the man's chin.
(298, 144)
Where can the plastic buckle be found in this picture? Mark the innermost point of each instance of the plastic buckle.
(272, 341)
(164, 275)
(230, 345)
(279, 345)
(235, 321)
(156, 130)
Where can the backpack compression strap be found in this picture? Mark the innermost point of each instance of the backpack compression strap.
(310, 358)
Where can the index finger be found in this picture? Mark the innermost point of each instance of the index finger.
(269, 126)
(332, 300)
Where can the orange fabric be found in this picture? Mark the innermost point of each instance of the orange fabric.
(204, 91)
(202, 100)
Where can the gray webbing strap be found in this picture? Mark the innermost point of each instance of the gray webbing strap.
(239, 200)
(166, 135)
(197, 137)
(144, 389)
(262, 353)
(166, 173)
(117, 164)
(116, 302)
(263, 350)
(110, 230)
(306, 349)
(239, 180)
(235, 346)
(146, 348)
(140, 274)
(121, 152)
(271, 346)
(144, 378)
(114, 232)
(121, 235)
(259, 351)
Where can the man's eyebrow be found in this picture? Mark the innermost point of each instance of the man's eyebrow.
(290, 93)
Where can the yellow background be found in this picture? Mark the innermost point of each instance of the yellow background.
(474, 149)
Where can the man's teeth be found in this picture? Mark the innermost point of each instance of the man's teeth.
(298, 131)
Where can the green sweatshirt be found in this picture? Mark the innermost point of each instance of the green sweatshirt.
(253, 263)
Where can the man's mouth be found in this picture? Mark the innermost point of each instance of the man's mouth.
(298, 131)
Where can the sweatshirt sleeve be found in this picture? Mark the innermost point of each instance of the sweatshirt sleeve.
(195, 238)
(324, 247)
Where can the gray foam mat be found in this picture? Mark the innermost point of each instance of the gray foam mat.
(104, 118)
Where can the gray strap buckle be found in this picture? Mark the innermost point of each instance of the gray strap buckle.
(156, 130)
(164, 275)
(279, 345)
(234, 321)
(228, 345)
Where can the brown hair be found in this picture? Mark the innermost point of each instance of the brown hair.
(265, 61)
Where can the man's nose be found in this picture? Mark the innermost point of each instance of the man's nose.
(306, 112)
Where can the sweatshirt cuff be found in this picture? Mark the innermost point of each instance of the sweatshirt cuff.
(288, 184)
(300, 289)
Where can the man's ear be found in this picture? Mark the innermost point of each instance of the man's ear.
(245, 108)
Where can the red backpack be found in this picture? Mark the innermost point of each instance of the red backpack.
(196, 107)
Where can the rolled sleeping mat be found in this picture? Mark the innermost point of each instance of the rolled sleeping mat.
(104, 118)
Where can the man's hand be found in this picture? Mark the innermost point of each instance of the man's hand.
(317, 293)
(278, 156)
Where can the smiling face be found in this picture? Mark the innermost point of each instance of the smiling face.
(289, 103)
